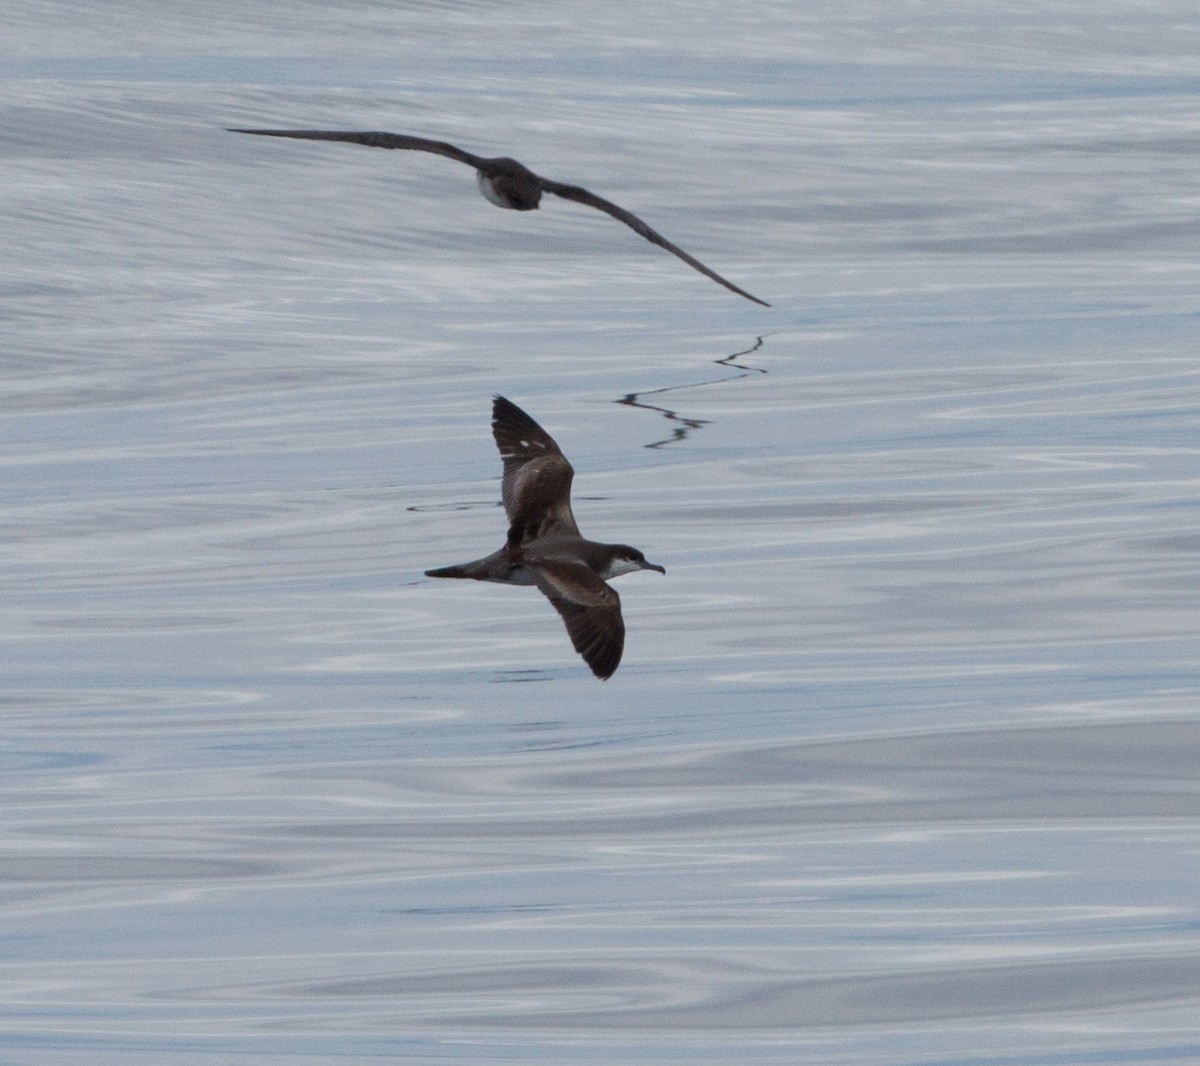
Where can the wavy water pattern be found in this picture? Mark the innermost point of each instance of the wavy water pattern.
(899, 765)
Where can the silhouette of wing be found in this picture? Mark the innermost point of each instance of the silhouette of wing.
(582, 196)
(373, 140)
(536, 489)
(381, 139)
(591, 611)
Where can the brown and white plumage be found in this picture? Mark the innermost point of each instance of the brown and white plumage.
(509, 184)
(544, 546)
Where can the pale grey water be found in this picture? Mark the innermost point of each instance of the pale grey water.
(901, 763)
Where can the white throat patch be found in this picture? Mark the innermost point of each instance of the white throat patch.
(488, 190)
(618, 567)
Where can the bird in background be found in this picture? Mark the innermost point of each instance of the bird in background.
(544, 546)
(507, 183)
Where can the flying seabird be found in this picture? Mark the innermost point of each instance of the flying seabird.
(507, 183)
(544, 546)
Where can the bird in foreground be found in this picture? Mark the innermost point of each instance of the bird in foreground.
(544, 545)
(506, 183)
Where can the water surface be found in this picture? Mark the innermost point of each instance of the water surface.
(900, 764)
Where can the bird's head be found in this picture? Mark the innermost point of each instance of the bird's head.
(507, 183)
(626, 560)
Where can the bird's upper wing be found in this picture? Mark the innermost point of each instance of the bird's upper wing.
(590, 609)
(373, 139)
(536, 489)
(582, 196)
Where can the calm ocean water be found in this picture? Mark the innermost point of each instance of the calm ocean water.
(901, 763)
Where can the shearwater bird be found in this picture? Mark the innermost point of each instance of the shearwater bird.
(506, 183)
(544, 545)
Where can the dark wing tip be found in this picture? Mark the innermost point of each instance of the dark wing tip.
(599, 649)
(588, 198)
(597, 634)
(508, 418)
(372, 139)
(603, 661)
(605, 667)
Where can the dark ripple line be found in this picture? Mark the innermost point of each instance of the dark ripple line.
(685, 424)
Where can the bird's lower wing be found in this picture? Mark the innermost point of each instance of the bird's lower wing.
(591, 611)
(582, 196)
(373, 139)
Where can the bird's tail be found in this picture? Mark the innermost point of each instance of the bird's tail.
(461, 570)
(494, 567)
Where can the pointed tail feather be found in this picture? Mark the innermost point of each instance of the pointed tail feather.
(494, 567)
(450, 571)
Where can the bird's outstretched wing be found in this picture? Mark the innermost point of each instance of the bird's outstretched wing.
(591, 611)
(582, 196)
(536, 489)
(381, 139)
(376, 139)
